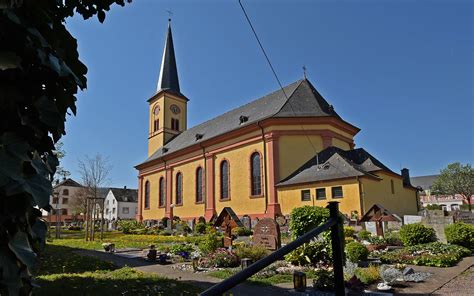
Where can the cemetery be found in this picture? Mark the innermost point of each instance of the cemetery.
(381, 252)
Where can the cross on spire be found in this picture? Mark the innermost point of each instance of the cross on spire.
(304, 71)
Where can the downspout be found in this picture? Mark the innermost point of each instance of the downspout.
(264, 165)
(205, 176)
(361, 197)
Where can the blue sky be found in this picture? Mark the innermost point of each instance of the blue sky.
(402, 71)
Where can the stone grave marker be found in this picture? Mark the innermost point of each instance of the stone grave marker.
(202, 220)
(464, 216)
(281, 220)
(191, 224)
(267, 233)
(246, 221)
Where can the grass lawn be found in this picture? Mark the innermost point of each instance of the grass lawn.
(75, 239)
(62, 272)
(272, 280)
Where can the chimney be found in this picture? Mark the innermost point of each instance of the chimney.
(124, 187)
(406, 177)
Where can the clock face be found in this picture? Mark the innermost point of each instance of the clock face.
(157, 110)
(175, 109)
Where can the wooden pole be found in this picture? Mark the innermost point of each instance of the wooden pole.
(86, 218)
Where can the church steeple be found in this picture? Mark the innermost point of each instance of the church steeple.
(168, 80)
(168, 106)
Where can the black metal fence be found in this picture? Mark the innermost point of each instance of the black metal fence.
(334, 223)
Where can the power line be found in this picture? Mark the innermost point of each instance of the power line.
(275, 74)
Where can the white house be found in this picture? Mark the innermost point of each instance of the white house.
(120, 204)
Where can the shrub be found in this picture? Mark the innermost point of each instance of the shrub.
(310, 254)
(254, 253)
(461, 234)
(368, 275)
(303, 219)
(200, 228)
(434, 207)
(181, 248)
(323, 279)
(356, 251)
(128, 226)
(242, 231)
(220, 258)
(364, 235)
(348, 231)
(210, 243)
(464, 207)
(415, 234)
(74, 227)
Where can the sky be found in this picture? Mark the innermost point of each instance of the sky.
(401, 71)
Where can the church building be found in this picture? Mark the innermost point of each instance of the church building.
(284, 150)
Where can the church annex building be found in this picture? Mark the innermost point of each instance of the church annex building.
(284, 150)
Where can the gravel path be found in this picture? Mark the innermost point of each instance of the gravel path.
(463, 284)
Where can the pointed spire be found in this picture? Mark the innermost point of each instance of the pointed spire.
(169, 72)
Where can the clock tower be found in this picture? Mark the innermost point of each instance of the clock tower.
(168, 106)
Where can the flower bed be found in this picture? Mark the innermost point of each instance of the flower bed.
(431, 254)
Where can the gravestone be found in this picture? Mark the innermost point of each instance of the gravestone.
(191, 224)
(246, 221)
(226, 221)
(202, 220)
(438, 220)
(281, 220)
(267, 234)
(411, 219)
(464, 217)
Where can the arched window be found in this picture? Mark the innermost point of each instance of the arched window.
(156, 121)
(179, 189)
(147, 195)
(162, 197)
(256, 174)
(224, 179)
(156, 124)
(199, 197)
(65, 191)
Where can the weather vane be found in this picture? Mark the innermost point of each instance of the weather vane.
(304, 71)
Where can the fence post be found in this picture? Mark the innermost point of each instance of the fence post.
(337, 249)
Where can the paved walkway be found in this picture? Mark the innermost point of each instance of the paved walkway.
(197, 279)
(444, 281)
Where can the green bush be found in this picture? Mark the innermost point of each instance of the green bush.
(356, 252)
(434, 207)
(242, 231)
(254, 253)
(417, 233)
(303, 219)
(200, 228)
(348, 231)
(364, 234)
(180, 248)
(128, 226)
(323, 279)
(464, 207)
(310, 254)
(210, 243)
(368, 275)
(460, 234)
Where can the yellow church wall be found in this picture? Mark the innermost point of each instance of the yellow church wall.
(294, 151)
(189, 208)
(239, 173)
(340, 144)
(402, 202)
(154, 212)
(290, 196)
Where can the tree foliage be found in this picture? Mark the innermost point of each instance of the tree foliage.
(40, 74)
(456, 178)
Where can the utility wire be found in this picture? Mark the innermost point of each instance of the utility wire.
(281, 86)
(275, 74)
